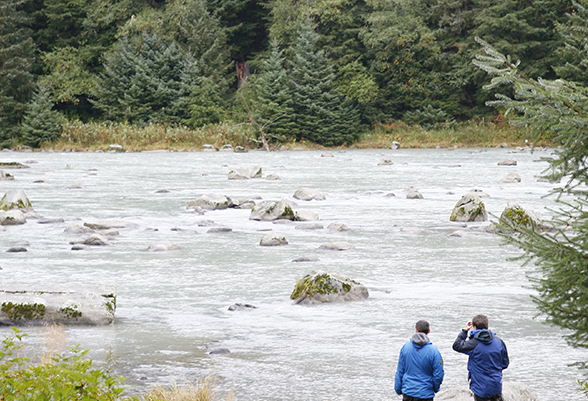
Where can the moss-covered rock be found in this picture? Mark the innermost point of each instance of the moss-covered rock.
(12, 218)
(65, 304)
(16, 199)
(515, 215)
(210, 202)
(272, 210)
(469, 208)
(321, 287)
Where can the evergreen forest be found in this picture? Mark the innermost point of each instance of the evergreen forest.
(322, 71)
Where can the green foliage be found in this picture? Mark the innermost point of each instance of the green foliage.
(320, 113)
(559, 109)
(66, 377)
(40, 123)
(143, 85)
(16, 61)
(273, 106)
(574, 54)
(428, 117)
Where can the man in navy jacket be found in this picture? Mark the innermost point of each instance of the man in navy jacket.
(420, 367)
(488, 357)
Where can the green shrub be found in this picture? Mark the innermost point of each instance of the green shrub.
(65, 377)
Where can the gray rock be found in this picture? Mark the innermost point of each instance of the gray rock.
(208, 148)
(308, 194)
(311, 226)
(240, 149)
(390, 195)
(327, 154)
(510, 392)
(238, 307)
(16, 199)
(505, 145)
(219, 351)
(108, 224)
(511, 178)
(210, 202)
(242, 203)
(79, 247)
(112, 232)
(245, 173)
(115, 148)
(93, 239)
(395, 145)
(12, 218)
(305, 215)
(272, 210)
(16, 249)
(6, 176)
(337, 246)
(206, 223)
(306, 259)
(163, 247)
(75, 186)
(219, 230)
(12, 165)
(227, 148)
(50, 220)
(414, 195)
(273, 177)
(480, 193)
(76, 229)
(321, 287)
(526, 218)
(507, 163)
(273, 239)
(162, 191)
(338, 227)
(385, 162)
(67, 304)
(469, 208)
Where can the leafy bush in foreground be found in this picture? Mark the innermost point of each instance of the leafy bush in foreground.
(63, 378)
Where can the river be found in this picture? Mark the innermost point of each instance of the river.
(172, 304)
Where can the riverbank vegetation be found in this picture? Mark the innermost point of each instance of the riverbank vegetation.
(98, 136)
(268, 73)
(57, 374)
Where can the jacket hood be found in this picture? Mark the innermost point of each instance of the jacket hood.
(483, 335)
(420, 339)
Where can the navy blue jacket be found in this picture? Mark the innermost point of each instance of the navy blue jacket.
(488, 357)
(420, 368)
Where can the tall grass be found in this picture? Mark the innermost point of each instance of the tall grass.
(203, 390)
(77, 135)
(80, 136)
(481, 133)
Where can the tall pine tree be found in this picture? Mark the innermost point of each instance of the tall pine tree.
(273, 99)
(320, 113)
(16, 63)
(40, 123)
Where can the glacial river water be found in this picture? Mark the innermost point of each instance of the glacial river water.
(172, 304)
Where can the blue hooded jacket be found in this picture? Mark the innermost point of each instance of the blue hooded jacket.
(488, 357)
(420, 368)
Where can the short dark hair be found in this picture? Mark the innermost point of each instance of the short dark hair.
(480, 321)
(422, 326)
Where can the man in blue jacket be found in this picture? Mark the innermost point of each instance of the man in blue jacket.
(488, 357)
(420, 367)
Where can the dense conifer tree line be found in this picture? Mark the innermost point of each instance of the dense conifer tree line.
(370, 61)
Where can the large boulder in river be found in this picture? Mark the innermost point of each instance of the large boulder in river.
(245, 173)
(16, 199)
(320, 287)
(70, 305)
(272, 210)
(510, 392)
(517, 216)
(308, 194)
(12, 218)
(210, 202)
(6, 176)
(469, 208)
